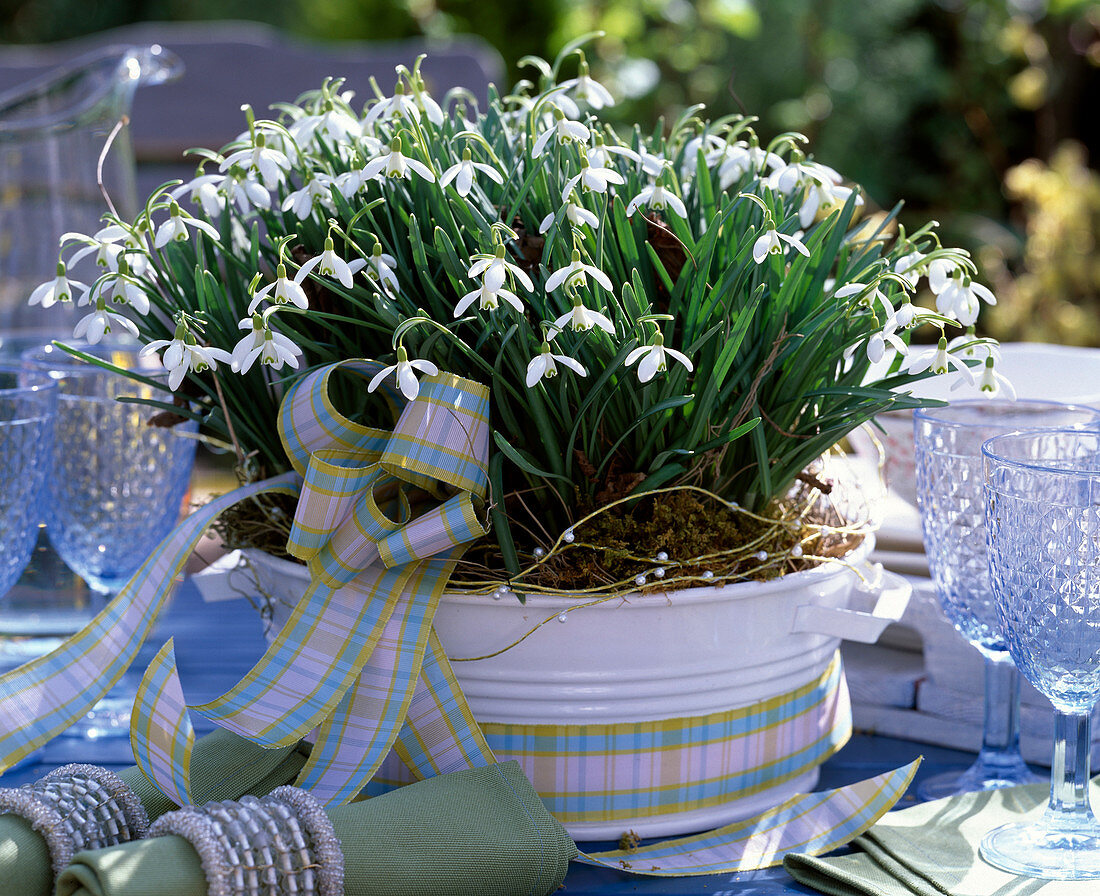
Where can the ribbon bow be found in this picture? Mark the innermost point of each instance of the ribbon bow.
(351, 656)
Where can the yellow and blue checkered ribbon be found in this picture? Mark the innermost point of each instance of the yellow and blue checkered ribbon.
(358, 659)
(348, 660)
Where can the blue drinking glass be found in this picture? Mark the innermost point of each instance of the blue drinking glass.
(117, 482)
(28, 401)
(1043, 506)
(952, 507)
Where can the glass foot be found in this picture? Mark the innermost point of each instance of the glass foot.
(110, 717)
(982, 775)
(1041, 851)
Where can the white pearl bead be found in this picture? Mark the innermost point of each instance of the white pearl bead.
(639, 580)
(659, 572)
(662, 556)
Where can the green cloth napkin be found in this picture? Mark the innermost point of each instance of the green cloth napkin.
(223, 766)
(480, 832)
(932, 849)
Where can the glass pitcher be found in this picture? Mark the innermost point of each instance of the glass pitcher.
(55, 172)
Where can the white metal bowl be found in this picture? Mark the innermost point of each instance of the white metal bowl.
(647, 657)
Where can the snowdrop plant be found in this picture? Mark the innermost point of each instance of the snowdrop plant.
(687, 305)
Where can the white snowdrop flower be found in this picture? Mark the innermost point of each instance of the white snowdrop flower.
(868, 296)
(822, 198)
(600, 153)
(587, 89)
(576, 274)
(380, 269)
(590, 177)
(464, 172)
(104, 244)
(740, 158)
(654, 359)
(335, 126)
(545, 365)
(713, 148)
(329, 264)
(576, 214)
(563, 130)
(60, 289)
(770, 242)
(658, 197)
(406, 378)
(487, 299)
(206, 192)
(93, 327)
(910, 267)
(269, 163)
(125, 290)
(400, 105)
(876, 344)
(315, 192)
(282, 291)
(396, 164)
(580, 319)
(958, 296)
(791, 176)
(993, 381)
(175, 228)
(939, 360)
(494, 270)
(263, 344)
(183, 355)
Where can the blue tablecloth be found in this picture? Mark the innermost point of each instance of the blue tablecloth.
(216, 643)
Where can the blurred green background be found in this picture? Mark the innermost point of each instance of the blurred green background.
(981, 114)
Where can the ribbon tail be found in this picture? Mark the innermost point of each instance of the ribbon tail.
(811, 823)
(355, 739)
(42, 698)
(440, 734)
(161, 732)
(314, 660)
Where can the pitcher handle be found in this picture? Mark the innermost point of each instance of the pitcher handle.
(891, 594)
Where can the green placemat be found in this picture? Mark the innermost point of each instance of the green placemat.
(480, 832)
(932, 849)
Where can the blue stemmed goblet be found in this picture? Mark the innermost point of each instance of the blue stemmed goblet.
(28, 400)
(118, 481)
(1043, 506)
(952, 507)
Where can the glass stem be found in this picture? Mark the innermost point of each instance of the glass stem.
(1001, 727)
(1069, 771)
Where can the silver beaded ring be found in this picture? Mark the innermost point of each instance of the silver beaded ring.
(283, 843)
(78, 807)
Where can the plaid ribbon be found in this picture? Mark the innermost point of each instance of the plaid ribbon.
(348, 660)
(358, 657)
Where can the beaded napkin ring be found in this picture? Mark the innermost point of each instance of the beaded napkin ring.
(283, 843)
(78, 807)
